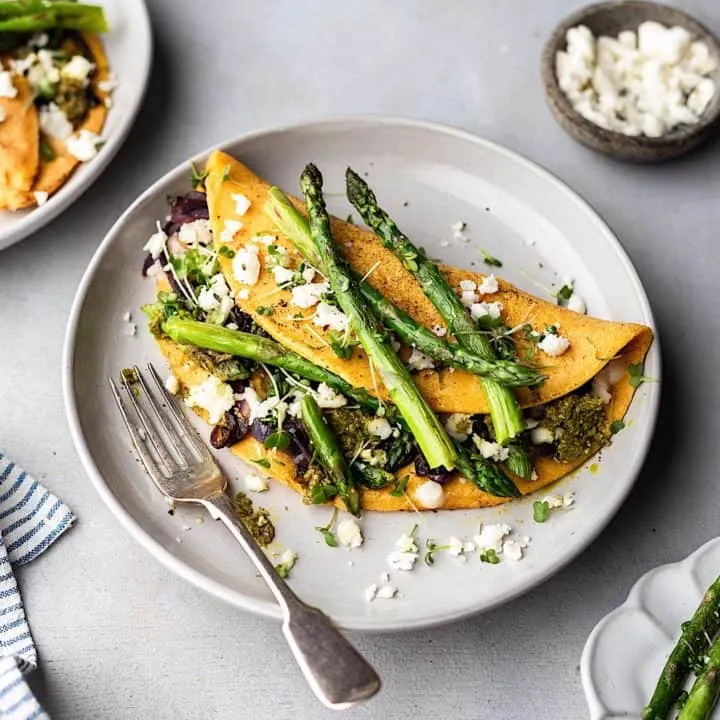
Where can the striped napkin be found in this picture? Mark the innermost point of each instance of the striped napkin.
(31, 519)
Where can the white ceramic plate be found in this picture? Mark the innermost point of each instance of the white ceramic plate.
(129, 49)
(627, 649)
(521, 214)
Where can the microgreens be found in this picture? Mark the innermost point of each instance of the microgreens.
(326, 532)
(488, 259)
(489, 556)
(197, 176)
(541, 511)
(635, 370)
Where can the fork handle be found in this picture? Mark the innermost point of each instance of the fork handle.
(334, 669)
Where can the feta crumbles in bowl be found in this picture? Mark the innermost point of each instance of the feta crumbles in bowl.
(635, 80)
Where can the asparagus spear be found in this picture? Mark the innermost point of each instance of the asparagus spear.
(32, 16)
(504, 409)
(485, 474)
(705, 692)
(294, 225)
(696, 636)
(329, 453)
(420, 419)
(253, 347)
(411, 333)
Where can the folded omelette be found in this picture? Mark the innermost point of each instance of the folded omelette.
(598, 370)
(34, 155)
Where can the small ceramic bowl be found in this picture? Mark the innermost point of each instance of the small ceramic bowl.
(611, 18)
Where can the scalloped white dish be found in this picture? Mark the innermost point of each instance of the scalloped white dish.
(436, 175)
(627, 649)
(128, 46)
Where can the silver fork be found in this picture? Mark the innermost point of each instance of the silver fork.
(182, 467)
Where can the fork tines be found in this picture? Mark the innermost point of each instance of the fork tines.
(162, 435)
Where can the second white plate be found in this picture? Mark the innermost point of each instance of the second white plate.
(627, 649)
(129, 49)
(429, 177)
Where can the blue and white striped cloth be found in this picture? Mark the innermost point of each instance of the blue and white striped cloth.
(31, 519)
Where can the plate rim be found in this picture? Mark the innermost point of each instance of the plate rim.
(269, 608)
(39, 217)
(597, 710)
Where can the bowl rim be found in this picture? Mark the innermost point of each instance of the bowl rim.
(560, 102)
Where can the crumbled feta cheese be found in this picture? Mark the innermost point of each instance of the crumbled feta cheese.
(491, 450)
(108, 85)
(419, 361)
(459, 426)
(308, 274)
(156, 243)
(246, 264)
(172, 384)
(78, 68)
(54, 122)
(349, 533)
(327, 398)
(399, 560)
(491, 536)
(84, 145)
(553, 345)
(430, 495)
(576, 303)
(127, 317)
(219, 286)
(380, 427)
(386, 592)
(328, 316)
(467, 286)
(305, 296)
(488, 286)
(560, 501)
(256, 483)
(469, 297)
(261, 408)
(456, 547)
(207, 300)
(405, 554)
(606, 378)
(370, 592)
(282, 274)
(7, 89)
(485, 309)
(41, 197)
(541, 435)
(458, 231)
(242, 204)
(288, 558)
(197, 232)
(243, 294)
(213, 396)
(513, 549)
(406, 543)
(439, 330)
(637, 84)
(228, 232)
(553, 501)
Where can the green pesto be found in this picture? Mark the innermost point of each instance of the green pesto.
(71, 96)
(579, 425)
(224, 367)
(257, 521)
(349, 427)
